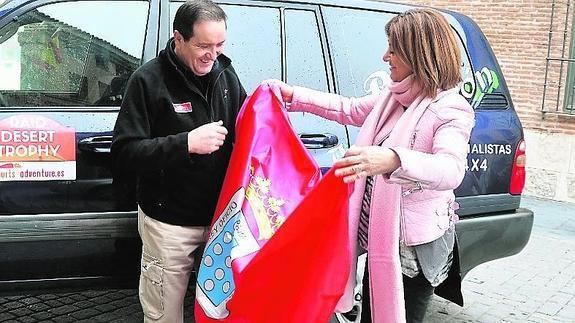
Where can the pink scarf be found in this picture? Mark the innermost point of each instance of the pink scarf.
(387, 117)
(401, 94)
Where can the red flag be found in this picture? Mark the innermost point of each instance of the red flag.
(278, 245)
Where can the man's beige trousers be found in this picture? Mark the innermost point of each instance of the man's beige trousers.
(167, 262)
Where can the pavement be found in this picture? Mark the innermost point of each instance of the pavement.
(536, 285)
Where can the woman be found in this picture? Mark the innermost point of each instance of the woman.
(409, 156)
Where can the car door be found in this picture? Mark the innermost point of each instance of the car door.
(282, 40)
(64, 66)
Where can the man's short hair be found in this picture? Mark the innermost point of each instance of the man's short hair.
(194, 11)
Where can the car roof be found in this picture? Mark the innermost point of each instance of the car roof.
(456, 19)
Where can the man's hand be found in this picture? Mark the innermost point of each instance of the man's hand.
(207, 138)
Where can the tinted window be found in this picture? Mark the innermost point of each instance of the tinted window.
(305, 63)
(358, 42)
(253, 43)
(306, 67)
(72, 53)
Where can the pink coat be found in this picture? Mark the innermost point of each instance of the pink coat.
(431, 139)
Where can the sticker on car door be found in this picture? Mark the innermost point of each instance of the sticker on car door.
(36, 148)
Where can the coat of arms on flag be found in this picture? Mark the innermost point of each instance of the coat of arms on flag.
(231, 239)
(230, 235)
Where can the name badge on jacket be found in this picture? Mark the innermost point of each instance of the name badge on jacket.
(182, 107)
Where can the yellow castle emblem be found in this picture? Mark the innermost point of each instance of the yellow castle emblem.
(266, 208)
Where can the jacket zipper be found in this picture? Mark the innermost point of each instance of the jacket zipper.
(417, 187)
(211, 86)
(412, 140)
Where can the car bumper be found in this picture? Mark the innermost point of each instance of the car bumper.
(492, 236)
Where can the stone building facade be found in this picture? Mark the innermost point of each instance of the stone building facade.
(532, 41)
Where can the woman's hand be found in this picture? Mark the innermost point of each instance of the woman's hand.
(366, 161)
(285, 89)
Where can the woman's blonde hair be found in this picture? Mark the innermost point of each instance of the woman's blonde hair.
(424, 40)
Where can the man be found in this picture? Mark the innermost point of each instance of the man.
(176, 129)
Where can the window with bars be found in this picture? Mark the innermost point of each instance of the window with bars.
(569, 105)
(559, 82)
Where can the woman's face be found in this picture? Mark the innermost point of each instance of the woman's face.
(398, 69)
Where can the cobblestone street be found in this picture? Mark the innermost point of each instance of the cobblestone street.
(114, 306)
(90, 306)
(537, 285)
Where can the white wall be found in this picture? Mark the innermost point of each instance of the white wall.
(550, 165)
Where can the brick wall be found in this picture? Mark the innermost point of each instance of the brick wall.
(518, 31)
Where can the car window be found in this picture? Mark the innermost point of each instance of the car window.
(253, 43)
(359, 39)
(71, 53)
(305, 60)
(306, 67)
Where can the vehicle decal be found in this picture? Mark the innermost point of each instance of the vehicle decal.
(474, 88)
(480, 154)
(376, 82)
(36, 148)
(487, 82)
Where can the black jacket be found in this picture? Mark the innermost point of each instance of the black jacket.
(151, 137)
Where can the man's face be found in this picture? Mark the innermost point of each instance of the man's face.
(201, 50)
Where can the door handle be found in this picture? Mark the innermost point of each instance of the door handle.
(98, 144)
(318, 141)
